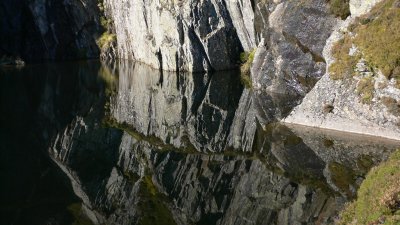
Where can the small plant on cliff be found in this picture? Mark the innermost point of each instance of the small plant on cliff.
(365, 88)
(105, 40)
(246, 59)
(340, 8)
(378, 197)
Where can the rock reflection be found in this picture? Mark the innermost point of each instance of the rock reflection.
(178, 149)
(195, 107)
(197, 149)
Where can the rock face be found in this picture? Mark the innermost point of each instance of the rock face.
(176, 35)
(209, 35)
(46, 30)
(336, 105)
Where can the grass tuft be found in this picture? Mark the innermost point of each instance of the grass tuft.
(379, 39)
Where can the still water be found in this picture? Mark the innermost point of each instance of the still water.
(90, 143)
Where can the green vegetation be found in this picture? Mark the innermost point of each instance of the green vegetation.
(340, 8)
(153, 208)
(105, 40)
(378, 197)
(109, 121)
(377, 38)
(246, 59)
(110, 81)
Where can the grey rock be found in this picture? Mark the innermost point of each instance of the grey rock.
(289, 57)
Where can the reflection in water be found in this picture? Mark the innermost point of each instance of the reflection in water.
(178, 149)
(197, 107)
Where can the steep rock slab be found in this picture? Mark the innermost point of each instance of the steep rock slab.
(176, 35)
(289, 60)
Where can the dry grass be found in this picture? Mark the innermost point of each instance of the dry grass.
(392, 105)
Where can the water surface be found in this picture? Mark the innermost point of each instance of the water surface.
(90, 143)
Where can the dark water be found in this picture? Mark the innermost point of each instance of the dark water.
(86, 143)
